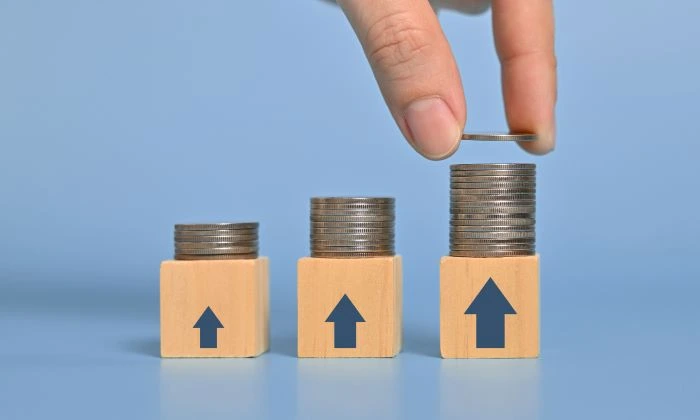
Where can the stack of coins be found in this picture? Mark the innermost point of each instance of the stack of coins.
(352, 227)
(216, 241)
(492, 210)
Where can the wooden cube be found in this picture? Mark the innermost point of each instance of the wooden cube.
(489, 307)
(349, 307)
(214, 308)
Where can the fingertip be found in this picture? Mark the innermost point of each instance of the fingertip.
(432, 128)
(544, 144)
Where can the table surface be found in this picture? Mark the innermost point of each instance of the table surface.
(609, 352)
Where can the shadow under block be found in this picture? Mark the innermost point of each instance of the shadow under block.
(214, 308)
(349, 307)
(489, 307)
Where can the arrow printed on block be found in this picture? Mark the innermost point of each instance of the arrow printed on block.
(208, 325)
(345, 317)
(490, 307)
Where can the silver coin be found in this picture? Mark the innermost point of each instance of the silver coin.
(493, 246)
(520, 198)
(352, 200)
(496, 209)
(351, 239)
(493, 173)
(217, 257)
(216, 226)
(320, 254)
(501, 234)
(217, 232)
(491, 166)
(494, 186)
(336, 212)
(477, 248)
(352, 244)
(217, 238)
(492, 228)
(352, 231)
(218, 250)
(352, 219)
(468, 177)
(359, 205)
(352, 249)
(352, 225)
(490, 254)
(530, 215)
(209, 245)
(466, 223)
(499, 137)
(500, 207)
(471, 189)
(490, 241)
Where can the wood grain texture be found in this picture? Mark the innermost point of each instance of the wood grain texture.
(461, 279)
(374, 285)
(236, 290)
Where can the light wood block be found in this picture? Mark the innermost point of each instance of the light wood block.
(237, 293)
(327, 291)
(502, 318)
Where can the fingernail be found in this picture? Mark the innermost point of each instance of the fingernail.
(433, 128)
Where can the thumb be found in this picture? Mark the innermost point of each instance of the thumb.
(415, 70)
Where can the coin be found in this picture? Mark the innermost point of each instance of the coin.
(217, 250)
(351, 254)
(352, 200)
(351, 226)
(346, 212)
(518, 198)
(491, 254)
(217, 257)
(491, 228)
(217, 238)
(216, 226)
(492, 209)
(210, 245)
(526, 137)
(492, 166)
(352, 218)
(350, 231)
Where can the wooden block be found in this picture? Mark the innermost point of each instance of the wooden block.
(215, 308)
(489, 307)
(349, 307)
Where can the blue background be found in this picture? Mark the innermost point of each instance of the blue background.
(119, 119)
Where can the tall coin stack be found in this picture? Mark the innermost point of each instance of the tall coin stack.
(216, 241)
(492, 210)
(352, 227)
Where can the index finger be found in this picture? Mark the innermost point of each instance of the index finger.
(524, 36)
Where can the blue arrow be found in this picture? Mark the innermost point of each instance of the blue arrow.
(208, 325)
(345, 317)
(490, 308)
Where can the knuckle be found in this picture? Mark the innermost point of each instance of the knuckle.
(396, 44)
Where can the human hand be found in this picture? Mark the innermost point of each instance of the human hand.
(417, 74)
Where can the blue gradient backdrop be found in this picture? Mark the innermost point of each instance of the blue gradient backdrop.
(120, 118)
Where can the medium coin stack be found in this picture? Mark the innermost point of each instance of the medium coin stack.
(352, 227)
(216, 241)
(492, 210)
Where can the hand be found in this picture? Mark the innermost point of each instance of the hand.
(418, 76)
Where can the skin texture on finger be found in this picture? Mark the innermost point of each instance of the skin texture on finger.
(524, 36)
(415, 69)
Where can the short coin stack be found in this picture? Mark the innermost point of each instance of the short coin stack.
(492, 210)
(216, 241)
(352, 227)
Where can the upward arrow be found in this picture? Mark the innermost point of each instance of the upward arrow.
(490, 308)
(345, 317)
(208, 325)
